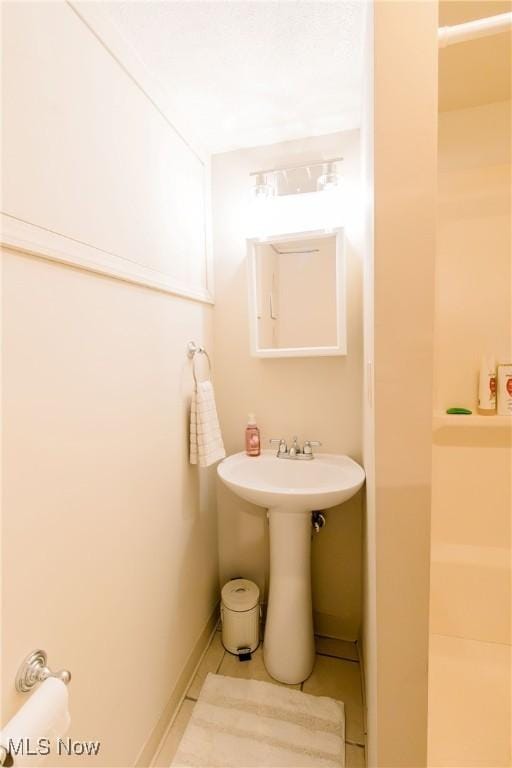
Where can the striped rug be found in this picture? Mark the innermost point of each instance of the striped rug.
(251, 724)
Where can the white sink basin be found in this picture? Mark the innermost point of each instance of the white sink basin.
(291, 489)
(293, 485)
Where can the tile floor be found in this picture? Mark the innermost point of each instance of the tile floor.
(336, 674)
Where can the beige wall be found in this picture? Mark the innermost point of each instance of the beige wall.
(399, 349)
(316, 398)
(470, 608)
(103, 520)
(127, 191)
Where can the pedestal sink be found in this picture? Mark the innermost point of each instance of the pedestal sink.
(291, 489)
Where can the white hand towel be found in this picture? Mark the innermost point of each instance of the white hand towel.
(206, 446)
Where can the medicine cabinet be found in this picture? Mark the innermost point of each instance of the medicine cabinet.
(297, 295)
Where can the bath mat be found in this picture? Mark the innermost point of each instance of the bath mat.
(250, 724)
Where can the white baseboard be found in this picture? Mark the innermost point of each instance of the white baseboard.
(159, 732)
(363, 683)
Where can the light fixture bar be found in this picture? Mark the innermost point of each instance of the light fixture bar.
(296, 167)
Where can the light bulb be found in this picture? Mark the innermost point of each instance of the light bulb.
(262, 190)
(329, 178)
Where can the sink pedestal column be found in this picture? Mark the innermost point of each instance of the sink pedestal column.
(289, 648)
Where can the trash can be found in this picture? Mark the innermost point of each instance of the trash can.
(240, 614)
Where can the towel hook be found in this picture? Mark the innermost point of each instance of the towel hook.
(192, 350)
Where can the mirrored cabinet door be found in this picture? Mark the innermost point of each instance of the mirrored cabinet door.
(296, 295)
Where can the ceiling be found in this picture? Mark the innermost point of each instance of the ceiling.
(478, 71)
(241, 73)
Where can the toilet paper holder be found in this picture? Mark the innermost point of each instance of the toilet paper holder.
(33, 670)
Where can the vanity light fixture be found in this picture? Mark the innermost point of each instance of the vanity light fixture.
(266, 182)
(275, 207)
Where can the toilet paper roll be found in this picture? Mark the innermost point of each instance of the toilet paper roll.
(45, 715)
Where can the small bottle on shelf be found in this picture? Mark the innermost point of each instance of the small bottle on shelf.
(487, 387)
(505, 389)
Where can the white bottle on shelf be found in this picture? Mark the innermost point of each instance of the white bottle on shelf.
(505, 389)
(487, 387)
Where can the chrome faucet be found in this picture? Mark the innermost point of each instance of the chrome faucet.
(295, 451)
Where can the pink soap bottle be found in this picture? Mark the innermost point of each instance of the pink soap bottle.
(252, 437)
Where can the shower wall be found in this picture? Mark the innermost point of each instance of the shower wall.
(470, 608)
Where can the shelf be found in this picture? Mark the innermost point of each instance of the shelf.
(442, 420)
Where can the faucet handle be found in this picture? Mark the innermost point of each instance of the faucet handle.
(308, 446)
(281, 442)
